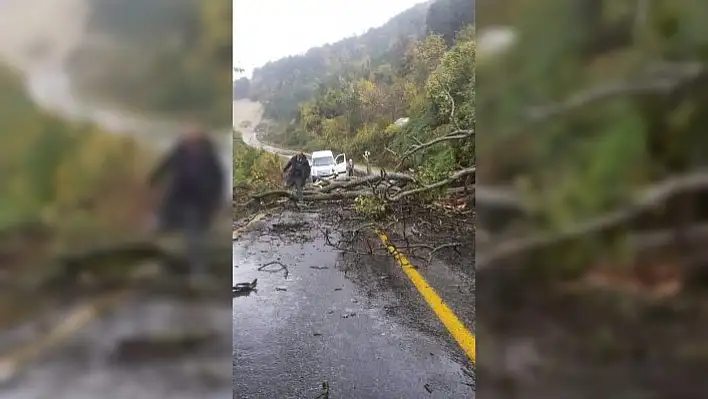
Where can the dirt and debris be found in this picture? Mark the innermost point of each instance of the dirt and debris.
(268, 267)
(330, 302)
(243, 289)
(288, 227)
(325, 391)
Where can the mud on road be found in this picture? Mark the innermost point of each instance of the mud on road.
(342, 315)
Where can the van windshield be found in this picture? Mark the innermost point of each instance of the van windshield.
(322, 161)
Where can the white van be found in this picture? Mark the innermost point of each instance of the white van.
(325, 165)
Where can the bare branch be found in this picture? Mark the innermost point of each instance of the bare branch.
(651, 198)
(265, 268)
(661, 77)
(348, 244)
(452, 108)
(368, 180)
(666, 77)
(499, 197)
(460, 174)
(392, 152)
(456, 135)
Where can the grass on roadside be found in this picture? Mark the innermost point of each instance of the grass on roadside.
(254, 170)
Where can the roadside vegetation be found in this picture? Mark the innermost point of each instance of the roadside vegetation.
(76, 177)
(591, 195)
(406, 82)
(65, 174)
(599, 142)
(403, 91)
(65, 186)
(254, 170)
(75, 204)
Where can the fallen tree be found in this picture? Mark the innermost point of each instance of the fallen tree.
(117, 263)
(648, 225)
(387, 186)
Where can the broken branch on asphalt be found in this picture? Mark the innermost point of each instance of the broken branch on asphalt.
(325, 391)
(265, 268)
(348, 243)
(244, 289)
(351, 240)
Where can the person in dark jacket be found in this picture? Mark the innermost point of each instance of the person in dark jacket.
(350, 167)
(297, 171)
(195, 184)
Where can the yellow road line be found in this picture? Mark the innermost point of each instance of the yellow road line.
(462, 335)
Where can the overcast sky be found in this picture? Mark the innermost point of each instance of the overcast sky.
(266, 30)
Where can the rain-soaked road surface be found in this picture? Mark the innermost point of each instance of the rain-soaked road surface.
(357, 324)
(108, 358)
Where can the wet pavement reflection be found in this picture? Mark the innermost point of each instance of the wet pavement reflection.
(320, 325)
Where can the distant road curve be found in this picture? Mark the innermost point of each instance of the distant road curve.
(249, 111)
(502, 198)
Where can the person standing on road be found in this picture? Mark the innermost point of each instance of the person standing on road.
(297, 171)
(350, 167)
(194, 191)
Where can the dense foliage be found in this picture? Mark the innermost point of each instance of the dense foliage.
(254, 170)
(393, 87)
(634, 117)
(169, 57)
(71, 176)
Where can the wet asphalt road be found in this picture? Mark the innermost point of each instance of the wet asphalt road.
(365, 331)
(93, 363)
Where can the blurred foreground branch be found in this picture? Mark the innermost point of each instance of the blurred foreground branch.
(651, 198)
(122, 259)
(659, 78)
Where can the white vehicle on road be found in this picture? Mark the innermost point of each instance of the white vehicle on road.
(325, 165)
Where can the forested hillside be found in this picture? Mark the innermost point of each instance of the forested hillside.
(282, 84)
(347, 96)
(166, 56)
